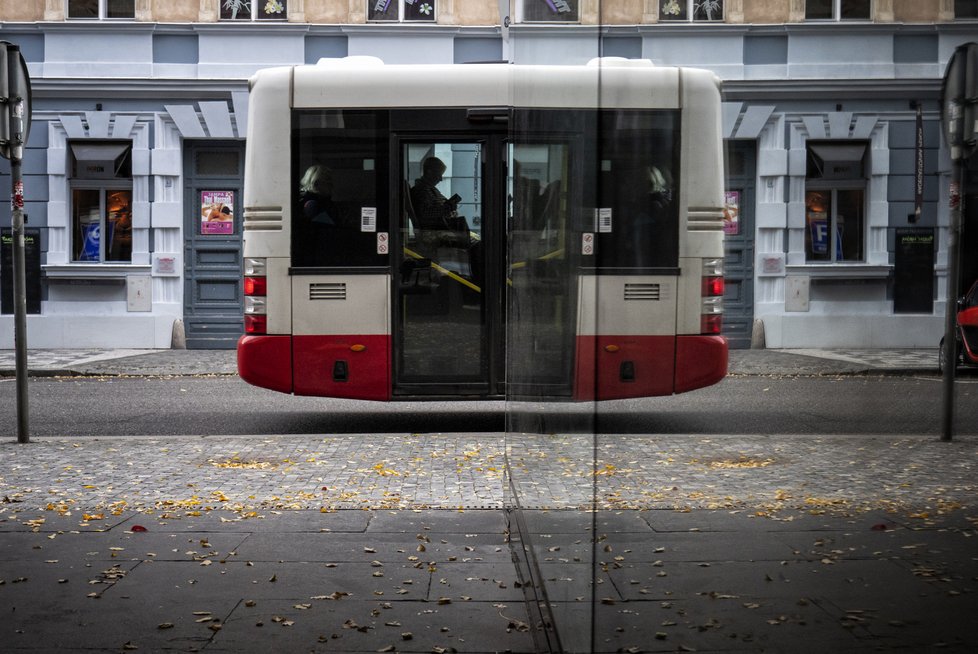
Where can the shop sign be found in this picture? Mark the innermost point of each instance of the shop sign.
(32, 267)
(913, 270)
(216, 212)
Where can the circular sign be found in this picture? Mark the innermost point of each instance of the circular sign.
(15, 87)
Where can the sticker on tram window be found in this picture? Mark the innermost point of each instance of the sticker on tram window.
(604, 220)
(587, 243)
(216, 212)
(383, 243)
(368, 219)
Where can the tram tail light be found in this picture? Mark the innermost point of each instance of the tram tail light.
(255, 286)
(711, 316)
(255, 289)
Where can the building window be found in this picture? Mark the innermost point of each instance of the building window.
(549, 11)
(101, 202)
(966, 8)
(401, 10)
(698, 10)
(835, 202)
(837, 9)
(254, 9)
(96, 9)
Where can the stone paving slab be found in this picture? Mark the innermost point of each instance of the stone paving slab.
(216, 589)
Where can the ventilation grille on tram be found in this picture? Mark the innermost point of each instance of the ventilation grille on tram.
(641, 291)
(327, 291)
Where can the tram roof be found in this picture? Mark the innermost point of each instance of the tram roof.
(607, 82)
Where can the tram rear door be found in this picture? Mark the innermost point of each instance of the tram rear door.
(482, 272)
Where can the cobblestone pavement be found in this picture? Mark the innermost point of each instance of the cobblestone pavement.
(769, 475)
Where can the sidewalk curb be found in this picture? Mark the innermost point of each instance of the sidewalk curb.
(853, 372)
(189, 363)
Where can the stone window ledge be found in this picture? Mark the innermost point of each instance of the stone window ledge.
(96, 271)
(830, 271)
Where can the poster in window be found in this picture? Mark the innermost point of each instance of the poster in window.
(236, 9)
(91, 241)
(419, 9)
(673, 9)
(382, 10)
(731, 213)
(216, 212)
(818, 223)
(550, 10)
(271, 9)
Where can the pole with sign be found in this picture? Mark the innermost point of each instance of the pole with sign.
(959, 103)
(15, 124)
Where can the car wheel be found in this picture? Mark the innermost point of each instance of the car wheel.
(942, 357)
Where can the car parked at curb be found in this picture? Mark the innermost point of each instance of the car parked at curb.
(966, 332)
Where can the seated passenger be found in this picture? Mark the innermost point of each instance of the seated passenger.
(323, 237)
(316, 195)
(433, 210)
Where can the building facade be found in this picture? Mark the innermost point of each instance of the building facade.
(837, 230)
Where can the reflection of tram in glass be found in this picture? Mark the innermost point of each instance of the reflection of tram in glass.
(483, 231)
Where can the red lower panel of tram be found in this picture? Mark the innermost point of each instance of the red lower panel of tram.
(356, 367)
(618, 367)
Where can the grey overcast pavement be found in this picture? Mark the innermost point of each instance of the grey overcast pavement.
(398, 542)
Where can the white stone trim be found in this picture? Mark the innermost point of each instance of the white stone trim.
(95, 125)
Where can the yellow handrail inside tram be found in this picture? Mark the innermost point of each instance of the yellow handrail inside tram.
(445, 271)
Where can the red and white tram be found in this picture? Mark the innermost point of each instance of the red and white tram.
(483, 231)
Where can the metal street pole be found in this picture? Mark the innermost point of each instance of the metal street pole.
(15, 99)
(20, 299)
(959, 122)
(951, 303)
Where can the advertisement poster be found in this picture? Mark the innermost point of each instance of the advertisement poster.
(217, 212)
(731, 213)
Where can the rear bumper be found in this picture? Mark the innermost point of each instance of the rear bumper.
(700, 361)
(266, 361)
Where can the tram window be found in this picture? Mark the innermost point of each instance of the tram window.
(340, 190)
(637, 214)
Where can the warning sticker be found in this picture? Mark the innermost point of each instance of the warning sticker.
(587, 243)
